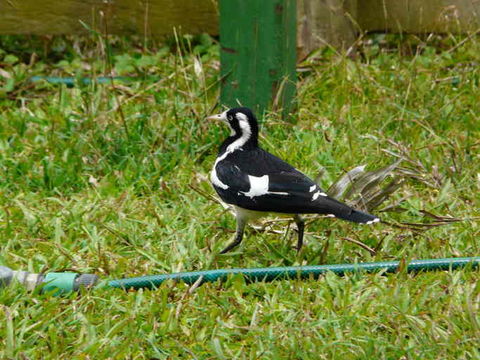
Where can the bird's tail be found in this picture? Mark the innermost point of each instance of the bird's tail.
(340, 210)
(358, 216)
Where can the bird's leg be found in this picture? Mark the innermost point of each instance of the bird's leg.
(301, 227)
(241, 222)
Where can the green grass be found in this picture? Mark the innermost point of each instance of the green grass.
(88, 187)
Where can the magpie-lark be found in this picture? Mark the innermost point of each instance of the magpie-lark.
(256, 182)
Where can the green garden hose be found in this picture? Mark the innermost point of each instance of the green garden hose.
(64, 282)
(72, 81)
(292, 272)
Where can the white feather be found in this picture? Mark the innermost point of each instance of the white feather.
(259, 186)
(215, 180)
(317, 194)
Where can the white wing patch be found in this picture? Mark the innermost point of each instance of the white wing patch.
(312, 188)
(373, 221)
(317, 194)
(259, 187)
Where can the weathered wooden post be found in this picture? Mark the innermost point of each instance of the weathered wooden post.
(258, 53)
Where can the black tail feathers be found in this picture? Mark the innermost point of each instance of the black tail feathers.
(357, 216)
(331, 206)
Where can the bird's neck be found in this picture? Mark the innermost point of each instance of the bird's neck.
(244, 141)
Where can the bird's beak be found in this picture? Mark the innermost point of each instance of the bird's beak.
(219, 117)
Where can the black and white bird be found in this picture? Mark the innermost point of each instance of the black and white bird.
(256, 182)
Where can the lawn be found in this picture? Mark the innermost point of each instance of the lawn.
(110, 179)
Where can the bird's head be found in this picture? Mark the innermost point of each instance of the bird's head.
(241, 121)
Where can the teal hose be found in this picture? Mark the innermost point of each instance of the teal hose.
(59, 283)
(72, 81)
(293, 272)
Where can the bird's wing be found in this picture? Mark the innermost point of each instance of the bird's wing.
(267, 183)
(257, 180)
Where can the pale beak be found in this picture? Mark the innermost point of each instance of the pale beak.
(218, 117)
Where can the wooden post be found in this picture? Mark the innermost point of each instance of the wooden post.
(146, 17)
(327, 22)
(421, 16)
(258, 54)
